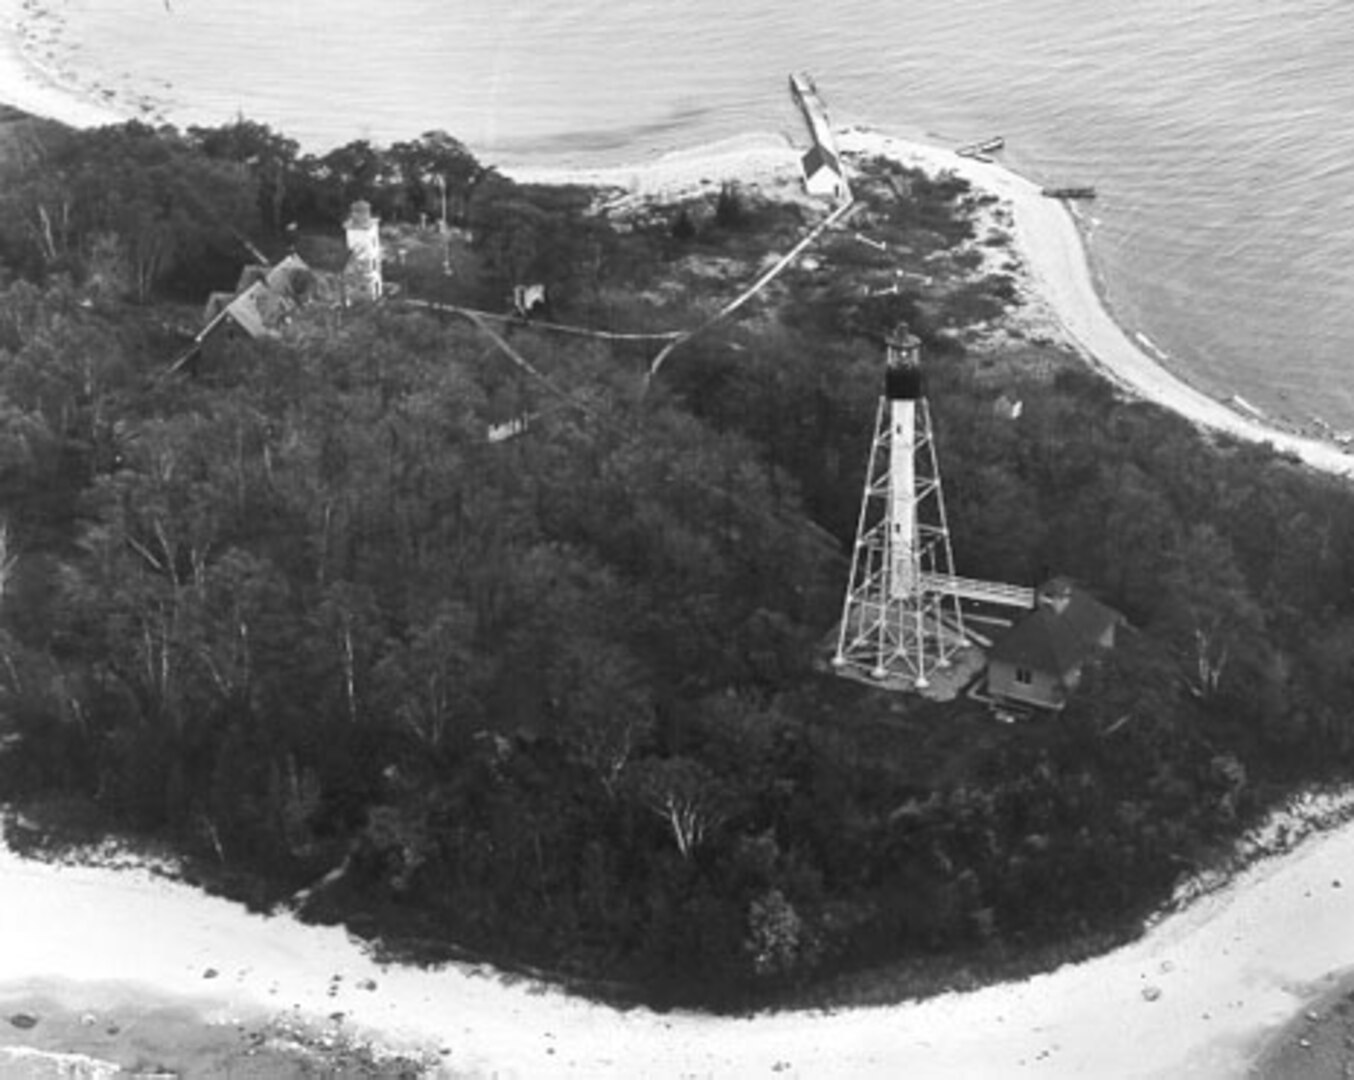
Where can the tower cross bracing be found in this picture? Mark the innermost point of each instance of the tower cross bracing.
(902, 619)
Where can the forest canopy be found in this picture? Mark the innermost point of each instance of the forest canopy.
(559, 700)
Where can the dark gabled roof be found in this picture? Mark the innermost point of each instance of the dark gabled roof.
(282, 279)
(819, 157)
(1052, 640)
(1086, 615)
(1040, 642)
(264, 297)
(250, 309)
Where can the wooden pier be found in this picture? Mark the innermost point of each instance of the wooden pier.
(823, 174)
(811, 105)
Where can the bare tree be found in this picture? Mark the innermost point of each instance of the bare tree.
(686, 795)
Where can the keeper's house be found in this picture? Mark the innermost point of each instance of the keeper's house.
(262, 303)
(1039, 660)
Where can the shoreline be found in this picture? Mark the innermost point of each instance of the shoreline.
(1056, 258)
(32, 89)
(1316, 1043)
(1210, 990)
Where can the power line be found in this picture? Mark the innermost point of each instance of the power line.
(840, 214)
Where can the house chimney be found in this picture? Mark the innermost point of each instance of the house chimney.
(1055, 595)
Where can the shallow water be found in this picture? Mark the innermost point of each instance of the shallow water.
(100, 1031)
(1216, 130)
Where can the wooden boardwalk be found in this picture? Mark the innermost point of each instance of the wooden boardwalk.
(986, 592)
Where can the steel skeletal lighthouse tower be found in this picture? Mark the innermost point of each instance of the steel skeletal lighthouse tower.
(901, 620)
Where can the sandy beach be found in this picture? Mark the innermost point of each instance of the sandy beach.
(42, 93)
(1197, 996)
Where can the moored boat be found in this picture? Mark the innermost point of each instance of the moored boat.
(1070, 192)
(981, 150)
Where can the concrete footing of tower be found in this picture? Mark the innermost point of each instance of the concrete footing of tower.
(941, 684)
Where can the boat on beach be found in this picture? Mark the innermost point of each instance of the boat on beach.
(1150, 345)
(1242, 405)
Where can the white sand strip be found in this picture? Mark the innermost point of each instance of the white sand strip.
(1195, 997)
(27, 87)
(760, 160)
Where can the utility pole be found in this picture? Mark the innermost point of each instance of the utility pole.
(446, 233)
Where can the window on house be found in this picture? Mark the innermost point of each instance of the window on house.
(1024, 675)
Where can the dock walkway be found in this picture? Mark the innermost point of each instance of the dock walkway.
(811, 105)
(986, 592)
(823, 173)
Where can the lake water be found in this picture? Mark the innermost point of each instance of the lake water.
(1217, 131)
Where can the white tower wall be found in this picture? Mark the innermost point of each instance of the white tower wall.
(362, 274)
(902, 500)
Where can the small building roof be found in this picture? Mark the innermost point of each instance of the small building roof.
(1065, 627)
(284, 275)
(247, 309)
(819, 157)
(264, 297)
(1008, 407)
